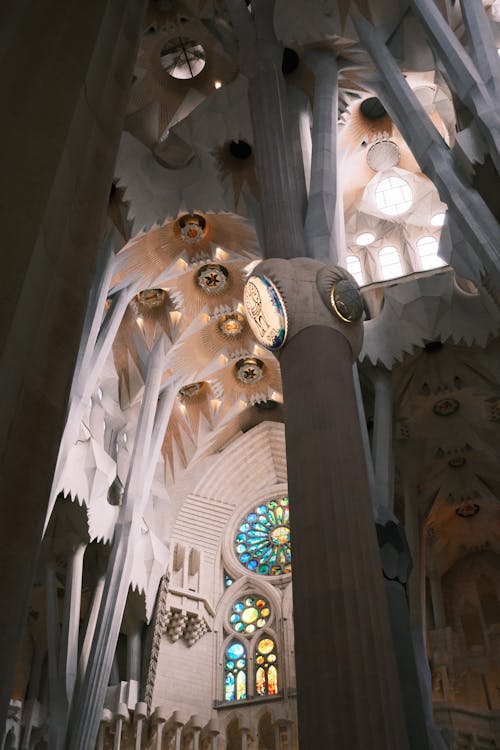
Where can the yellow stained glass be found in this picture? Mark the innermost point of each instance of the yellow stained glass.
(265, 646)
(241, 686)
(271, 658)
(264, 612)
(250, 614)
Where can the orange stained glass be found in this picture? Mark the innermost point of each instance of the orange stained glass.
(260, 681)
(272, 680)
(265, 646)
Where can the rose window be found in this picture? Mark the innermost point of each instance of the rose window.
(262, 541)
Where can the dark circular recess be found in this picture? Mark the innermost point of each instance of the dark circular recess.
(433, 346)
(266, 405)
(373, 108)
(445, 407)
(240, 149)
(466, 510)
(290, 61)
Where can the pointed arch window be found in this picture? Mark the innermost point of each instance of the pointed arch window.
(266, 667)
(235, 672)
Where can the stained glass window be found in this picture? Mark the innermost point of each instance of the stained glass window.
(235, 671)
(262, 541)
(266, 670)
(228, 581)
(249, 614)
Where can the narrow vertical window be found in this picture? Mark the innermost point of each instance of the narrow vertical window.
(235, 669)
(266, 670)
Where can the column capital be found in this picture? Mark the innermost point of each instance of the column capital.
(305, 293)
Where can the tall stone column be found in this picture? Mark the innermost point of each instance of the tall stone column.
(437, 600)
(347, 679)
(383, 462)
(66, 72)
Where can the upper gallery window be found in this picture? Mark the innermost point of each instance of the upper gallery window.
(393, 196)
(182, 58)
(427, 251)
(390, 262)
(262, 541)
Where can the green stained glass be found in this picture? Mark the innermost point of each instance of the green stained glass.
(262, 542)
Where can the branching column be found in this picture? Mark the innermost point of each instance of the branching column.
(153, 419)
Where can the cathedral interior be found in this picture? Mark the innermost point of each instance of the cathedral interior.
(250, 336)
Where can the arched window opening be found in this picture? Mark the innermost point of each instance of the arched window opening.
(266, 669)
(235, 669)
(353, 265)
(393, 196)
(427, 248)
(390, 262)
(267, 735)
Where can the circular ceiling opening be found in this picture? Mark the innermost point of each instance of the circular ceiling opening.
(365, 238)
(393, 196)
(240, 149)
(438, 220)
(372, 108)
(383, 156)
(183, 58)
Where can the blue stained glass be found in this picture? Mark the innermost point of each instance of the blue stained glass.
(228, 581)
(234, 618)
(230, 665)
(235, 650)
(238, 607)
(264, 547)
(229, 692)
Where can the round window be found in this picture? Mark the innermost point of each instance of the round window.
(262, 541)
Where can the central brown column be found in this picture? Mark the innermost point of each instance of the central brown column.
(348, 691)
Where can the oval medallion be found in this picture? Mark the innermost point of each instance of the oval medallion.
(265, 311)
(346, 301)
